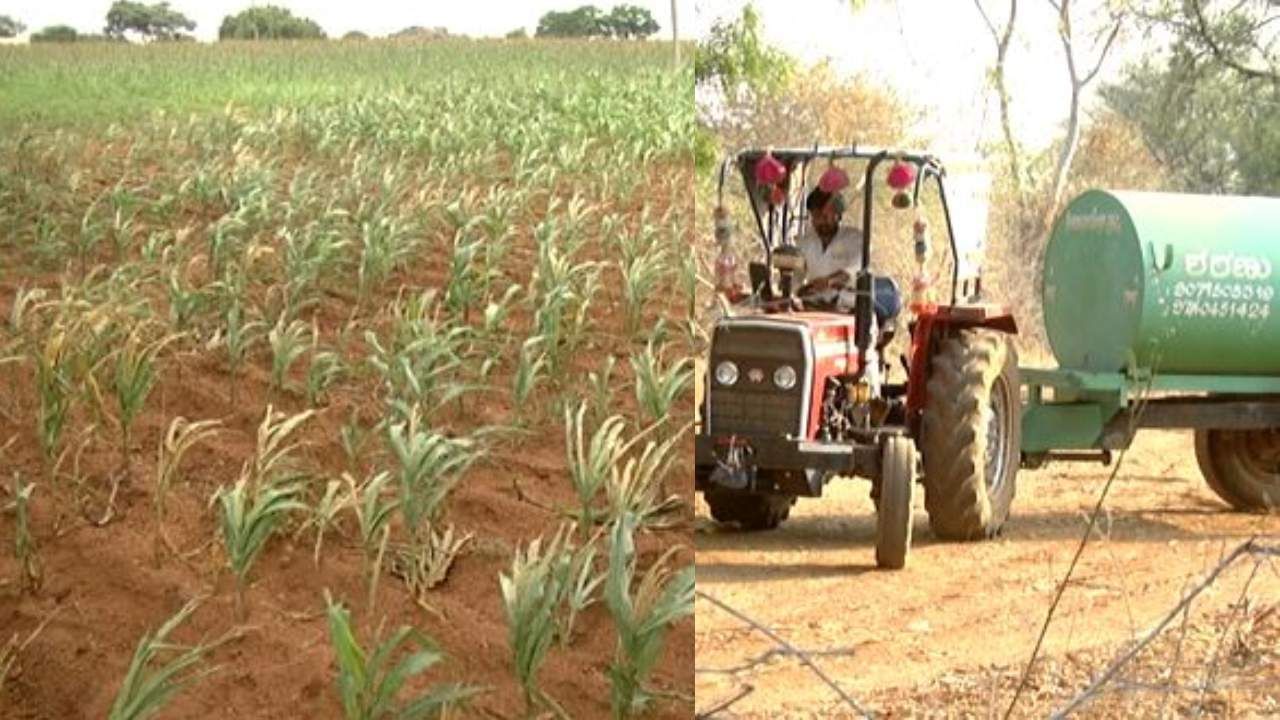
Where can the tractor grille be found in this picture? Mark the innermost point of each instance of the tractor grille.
(757, 408)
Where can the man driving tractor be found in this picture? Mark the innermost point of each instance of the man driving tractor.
(832, 255)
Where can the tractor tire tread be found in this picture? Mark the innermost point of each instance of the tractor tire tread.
(953, 435)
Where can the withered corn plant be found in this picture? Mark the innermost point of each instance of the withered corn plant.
(373, 506)
(590, 465)
(635, 487)
(324, 514)
(531, 594)
(181, 436)
(25, 550)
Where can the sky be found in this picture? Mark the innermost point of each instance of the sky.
(337, 17)
(935, 53)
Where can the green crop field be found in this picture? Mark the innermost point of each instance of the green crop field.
(339, 337)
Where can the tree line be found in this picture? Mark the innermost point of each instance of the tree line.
(160, 22)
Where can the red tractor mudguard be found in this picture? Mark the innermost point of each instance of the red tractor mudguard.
(934, 321)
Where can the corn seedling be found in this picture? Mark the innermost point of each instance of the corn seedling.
(184, 303)
(54, 388)
(248, 519)
(353, 437)
(324, 514)
(383, 246)
(601, 385)
(370, 681)
(589, 466)
(373, 511)
(657, 388)
(25, 550)
(288, 343)
(642, 618)
(429, 465)
(578, 584)
(152, 680)
(238, 337)
(325, 369)
(532, 363)
(531, 594)
(497, 313)
(467, 282)
(641, 276)
(135, 376)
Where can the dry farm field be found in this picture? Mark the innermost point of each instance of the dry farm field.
(303, 343)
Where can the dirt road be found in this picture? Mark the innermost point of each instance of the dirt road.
(959, 608)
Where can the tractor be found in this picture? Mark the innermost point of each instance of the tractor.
(798, 392)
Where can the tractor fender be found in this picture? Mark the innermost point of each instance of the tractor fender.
(933, 322)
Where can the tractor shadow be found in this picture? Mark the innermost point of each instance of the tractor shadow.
(828, 533)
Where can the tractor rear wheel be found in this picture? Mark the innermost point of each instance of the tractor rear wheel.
(893, 510)
(970, 435)
(1242, 467)
(751, 511)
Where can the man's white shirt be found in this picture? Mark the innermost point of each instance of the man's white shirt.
(844, 252)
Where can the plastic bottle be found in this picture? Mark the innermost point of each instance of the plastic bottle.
(921, 290)
(726, 269)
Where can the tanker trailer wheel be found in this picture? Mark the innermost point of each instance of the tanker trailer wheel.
(751, 511)
(893, 511)
(1242, 467)
(970, 435)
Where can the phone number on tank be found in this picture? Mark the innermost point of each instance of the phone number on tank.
(1223, 309)
(1217, 290)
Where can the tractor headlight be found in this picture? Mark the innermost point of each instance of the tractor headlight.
(726, 373)
(784, 377)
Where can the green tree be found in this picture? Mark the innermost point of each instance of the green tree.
(630, 22)
(735, 54)
(586, 21)
(518, 34)
(1213, 129)
(10, 27)
(417, 32)
(1206, 106)
(355, 35)
(268, 22)
(155, 22)
(56, 33)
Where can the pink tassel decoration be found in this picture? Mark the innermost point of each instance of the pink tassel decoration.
(833, 180)
(769, 170)
(901, 176)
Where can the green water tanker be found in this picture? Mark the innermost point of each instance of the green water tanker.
(1161, 311)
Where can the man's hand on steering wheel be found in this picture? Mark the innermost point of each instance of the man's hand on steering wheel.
(823, 284)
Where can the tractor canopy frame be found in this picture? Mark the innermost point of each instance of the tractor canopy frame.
(775, 227)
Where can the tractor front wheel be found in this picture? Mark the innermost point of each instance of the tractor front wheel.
(1242, 467)
(970, 435)
(893, 511)
(751, 511)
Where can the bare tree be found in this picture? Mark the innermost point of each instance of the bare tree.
(675, 34)
(1067, 153)
(1002, 37)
